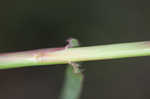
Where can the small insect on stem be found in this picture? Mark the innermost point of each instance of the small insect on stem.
(73, 43)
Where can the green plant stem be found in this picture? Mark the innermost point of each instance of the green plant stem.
(63, 55)
(72, 86)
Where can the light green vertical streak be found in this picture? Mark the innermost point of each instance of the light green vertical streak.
(72, 84)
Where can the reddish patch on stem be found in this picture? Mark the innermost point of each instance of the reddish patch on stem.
(42, 54)
(147, 43)
(39, 52)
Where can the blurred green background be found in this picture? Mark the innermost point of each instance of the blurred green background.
(32, 24)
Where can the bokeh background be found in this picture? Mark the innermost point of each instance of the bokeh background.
(32, 24)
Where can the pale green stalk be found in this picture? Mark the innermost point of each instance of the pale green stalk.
(72, 86)
(64, 55)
